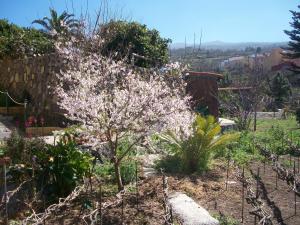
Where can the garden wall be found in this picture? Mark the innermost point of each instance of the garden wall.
(30, 78)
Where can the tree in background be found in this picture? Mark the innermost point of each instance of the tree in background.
(63, 24)
(294, 44)
(17, 42)
(280, 89)
(122, 38)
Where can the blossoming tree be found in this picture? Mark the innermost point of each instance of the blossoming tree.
(113, 101)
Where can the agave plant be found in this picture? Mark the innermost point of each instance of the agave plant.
(196, 151)
(59, 24)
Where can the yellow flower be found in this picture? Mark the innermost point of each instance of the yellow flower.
(51, 159)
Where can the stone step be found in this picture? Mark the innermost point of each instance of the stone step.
(6, 118)
(189, 212)
(149, 172)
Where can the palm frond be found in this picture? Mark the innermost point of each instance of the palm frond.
(42, 23)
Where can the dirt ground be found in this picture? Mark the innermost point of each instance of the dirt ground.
(209, 190)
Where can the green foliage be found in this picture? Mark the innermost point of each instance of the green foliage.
(226, 220)
(56, 169)
(244, 150)
(280, 89)
(18, 42)
(294, 44)
(298, 115)
(127, 165)
(60, 167)
(125, 38)
(107, 171)
(196, 151)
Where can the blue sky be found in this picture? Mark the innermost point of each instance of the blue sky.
(223, 20)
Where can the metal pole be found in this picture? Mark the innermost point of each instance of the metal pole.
(227, 175)
(5, 194)
(257, 183)
(136, 184)
(6, 103)
(298, 164)
(122, 215)
(276, 180)
(243, 195)
(100, 190)
(295, 196)
(25, 112)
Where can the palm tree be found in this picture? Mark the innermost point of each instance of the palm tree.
(63, 24)
(195, 152)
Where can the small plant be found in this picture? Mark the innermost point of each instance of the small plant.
(59, 168)
(244, 150)
(127, 166)
(226, 220)
(196, 151)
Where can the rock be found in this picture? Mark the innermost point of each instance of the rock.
(189, 212)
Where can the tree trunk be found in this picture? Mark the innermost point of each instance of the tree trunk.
(118, 175)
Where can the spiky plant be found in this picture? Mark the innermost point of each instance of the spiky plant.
(59, 24)
(196, 151)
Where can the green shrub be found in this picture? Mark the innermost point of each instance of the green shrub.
(127, 166)
(59, 168)
(244, 150)
(17, 42)
(195, 153)
(107, 171)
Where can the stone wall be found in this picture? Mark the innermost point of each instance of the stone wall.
(30, 78)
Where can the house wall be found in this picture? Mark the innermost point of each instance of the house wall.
(30, 78)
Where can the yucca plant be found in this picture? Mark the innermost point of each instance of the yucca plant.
(196, 151)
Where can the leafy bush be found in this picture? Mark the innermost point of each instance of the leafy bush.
(59, 168)
(196, 151)
(56, 169)
(244, 150)
(125, 38)
(17, 42)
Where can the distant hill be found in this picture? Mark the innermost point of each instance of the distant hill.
(234, 46)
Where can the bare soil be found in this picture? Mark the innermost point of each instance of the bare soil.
(209, 190)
